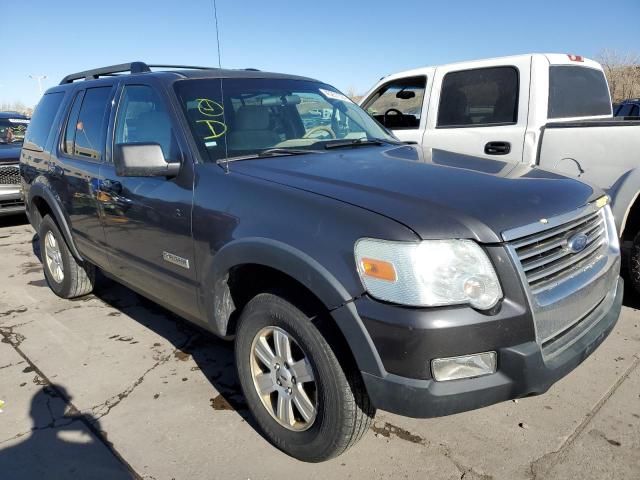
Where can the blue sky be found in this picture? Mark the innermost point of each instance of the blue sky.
(348, 43)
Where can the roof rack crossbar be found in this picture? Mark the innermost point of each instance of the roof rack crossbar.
(181, 67)
(133, 67)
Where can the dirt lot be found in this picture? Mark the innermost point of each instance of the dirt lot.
(112, 386)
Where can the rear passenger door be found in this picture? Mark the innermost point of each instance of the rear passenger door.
(75, 172)
(147, 220)
(480, 111)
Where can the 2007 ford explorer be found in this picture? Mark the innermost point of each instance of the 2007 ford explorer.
(352, 271)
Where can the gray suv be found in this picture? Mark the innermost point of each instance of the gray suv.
(353, 272)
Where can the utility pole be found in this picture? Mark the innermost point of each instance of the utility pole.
(39, 79)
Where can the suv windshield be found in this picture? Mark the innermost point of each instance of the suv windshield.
(12, 130)
(258, 115)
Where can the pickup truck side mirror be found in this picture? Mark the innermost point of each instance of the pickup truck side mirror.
(143, 160)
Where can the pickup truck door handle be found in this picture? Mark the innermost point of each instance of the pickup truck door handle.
(497, 148)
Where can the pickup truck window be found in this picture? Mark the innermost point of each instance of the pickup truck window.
(577, 92)
(398, 104)
(40, 126)
(259, 114)
(479, 97)
(91, 124)
(12, 130)
(142, 118)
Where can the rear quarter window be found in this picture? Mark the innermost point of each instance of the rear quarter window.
(577, 92)
(42, 120)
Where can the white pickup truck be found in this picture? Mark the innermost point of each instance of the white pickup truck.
(550, 110)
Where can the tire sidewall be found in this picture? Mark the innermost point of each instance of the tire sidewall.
(59, 288)
(309, 445)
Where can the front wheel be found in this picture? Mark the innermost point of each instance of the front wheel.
(307, 403)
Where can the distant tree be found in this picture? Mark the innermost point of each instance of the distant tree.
(623, 73)
(353, 95)
(16, 107)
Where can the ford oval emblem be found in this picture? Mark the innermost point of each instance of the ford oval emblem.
(577, 243)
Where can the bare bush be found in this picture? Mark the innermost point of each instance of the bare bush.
(623, 73)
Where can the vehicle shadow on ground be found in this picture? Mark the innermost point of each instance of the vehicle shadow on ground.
(61, 444)
(213, 356)
(13, 221)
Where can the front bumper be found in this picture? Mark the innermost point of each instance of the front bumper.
(522, 371)
(11, 202)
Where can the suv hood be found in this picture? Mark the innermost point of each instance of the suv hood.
(437, 194)
(10, 153)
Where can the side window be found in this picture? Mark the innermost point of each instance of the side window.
(72, 122)
(635, 111)
(40, 126)
(92, 124)
(142, 118)
(398, 104)
(481, 97)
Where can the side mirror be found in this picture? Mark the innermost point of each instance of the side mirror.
(143, 160)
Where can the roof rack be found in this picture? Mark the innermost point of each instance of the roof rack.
(133, 67)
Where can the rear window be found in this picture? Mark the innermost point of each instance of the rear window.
(40, 126)
(577, 92)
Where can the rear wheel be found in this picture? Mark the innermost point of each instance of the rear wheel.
(307, 402)
(67, 277)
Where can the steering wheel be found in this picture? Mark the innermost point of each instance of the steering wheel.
(392, 110)
(320, 128)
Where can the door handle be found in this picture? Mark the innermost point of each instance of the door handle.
(111, 186)
(497, 148)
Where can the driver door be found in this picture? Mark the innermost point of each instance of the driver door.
(399, 104)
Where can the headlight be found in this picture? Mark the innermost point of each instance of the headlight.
(428, 273)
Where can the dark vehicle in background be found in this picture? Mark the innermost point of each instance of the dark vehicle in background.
(353, 272)
(13, 126)
(628, 109)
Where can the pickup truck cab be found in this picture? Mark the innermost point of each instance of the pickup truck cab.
(351, 271)
(547, 110)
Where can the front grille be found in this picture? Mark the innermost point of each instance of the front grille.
(546, 259)
(9, 175)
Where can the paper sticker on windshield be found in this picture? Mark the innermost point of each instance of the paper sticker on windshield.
(335, 95)
(19, 120)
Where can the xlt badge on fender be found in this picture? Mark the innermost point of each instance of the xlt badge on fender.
(175, 259)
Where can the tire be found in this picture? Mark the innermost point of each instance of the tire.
(343, 412)
(633, 263)
(77, 278)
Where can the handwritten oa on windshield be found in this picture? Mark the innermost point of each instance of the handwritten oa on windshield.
(212, 109)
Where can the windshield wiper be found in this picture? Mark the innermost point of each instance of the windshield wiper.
(358, 142)
(269, 152)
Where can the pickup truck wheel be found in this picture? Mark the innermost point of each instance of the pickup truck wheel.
(65, 275)
(633, 264)
(310, 405)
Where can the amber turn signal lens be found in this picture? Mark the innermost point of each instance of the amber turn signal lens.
(378, 269)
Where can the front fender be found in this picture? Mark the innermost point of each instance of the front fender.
(624, 193)
(299, 266)
(40, 189)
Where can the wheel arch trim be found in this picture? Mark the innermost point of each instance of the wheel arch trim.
(39, 189)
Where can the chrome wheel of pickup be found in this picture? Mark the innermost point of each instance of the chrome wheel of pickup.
(53, 257)
(283, 379)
